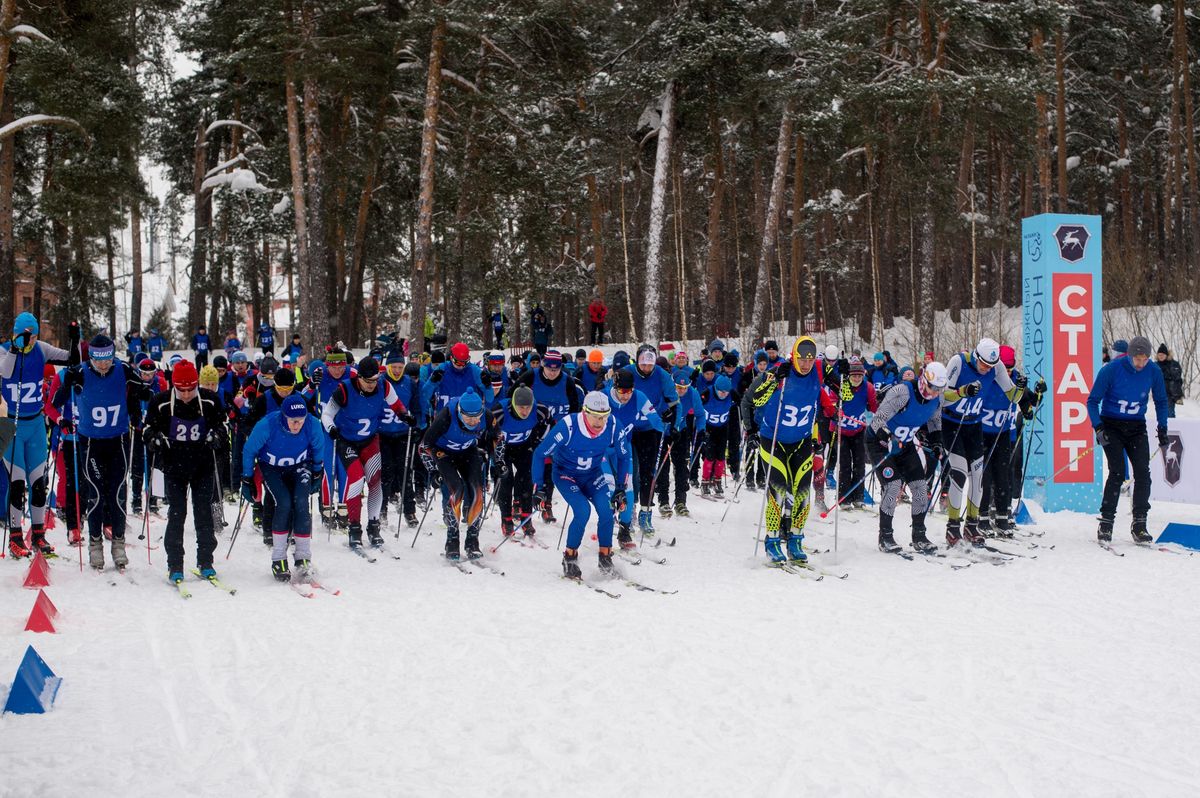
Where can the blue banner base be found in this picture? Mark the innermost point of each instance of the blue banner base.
(1187, 535)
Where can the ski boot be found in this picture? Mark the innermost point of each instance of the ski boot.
(279, 569)
(506, 527)
(985, 525)
(718, 488)
(762, 483)
(256, 517)
(528, 529)
(548, 512)
(795, 548)
(208, 572)
(646, 521)
(606, 562)
(1138, 530)
(96, 553)
(16, 544)
(1002, 526)
(471, 544)
(135, 506)
(268, 538)
(1104, 533)
(625, 536)
(175, 577)
(570, 563)
(355, 536)
(343, 517)
(373, 537)
(74, 537)
(303, 568)
(774, 549)
(329, 515)
(119, 557)
(922, 543)
(695, 483)
(972, 535)
(40, 543)
(953, 532)
(706, 488)
(887, 543)
(411, 520)
(681, 510)
(452, 552)
(664, 509)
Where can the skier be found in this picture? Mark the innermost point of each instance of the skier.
(396, 439)
(266, 339)
(1117, 408)
(156, 345)
(881, 373)
(857, 399)
(521, 423)
(633, 413)
(456, 377)
(498, 322)
(684, 438)
(102, 391)
(560, 395)
(785, 403)
(648, 445)
(351, 416)
(325, 382)
(999, 429)
(183, 424)
(450, 451)
(592, 373)
(295, 349)
(718, 402)
(495, 365)
(232, 344)
(967, 374)
(60, 412)
(287, 447)
(578, 445)
(201, 345)
(906, 408)
(22, 384)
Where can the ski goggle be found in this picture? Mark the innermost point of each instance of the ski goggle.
(461, 364)
(928, 389)
(284, 390)
(471, 421)
(601, 415)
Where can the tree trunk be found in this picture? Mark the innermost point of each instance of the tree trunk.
(135, 250)
(304, 265)
(759, 323)
(662, 168)
(201, 224)
(8, 251)
(112, 291)
(1189, 119)
(798, 249)
(596, 209)
(424, 247)
(625, 251)
(315, 177)
(716, 196)
(1043, 134)
(1060, 118)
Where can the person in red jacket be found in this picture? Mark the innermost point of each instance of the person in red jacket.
(597, 312)
(857, 400)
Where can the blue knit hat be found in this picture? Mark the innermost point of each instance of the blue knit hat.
(470, 404)
(294, 407)
(25, 321)
(723, 384)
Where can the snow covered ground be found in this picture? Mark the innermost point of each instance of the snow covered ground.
(1070, 674)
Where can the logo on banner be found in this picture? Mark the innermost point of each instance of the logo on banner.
(1073, 327)
(1033, 243)
(1173, 459)
(1072, 242)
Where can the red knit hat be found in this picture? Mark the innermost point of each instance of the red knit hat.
(184, 376)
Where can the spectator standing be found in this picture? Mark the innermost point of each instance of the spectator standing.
(597, 312)
(1173, 377)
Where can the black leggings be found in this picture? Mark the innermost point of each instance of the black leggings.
(105, 465)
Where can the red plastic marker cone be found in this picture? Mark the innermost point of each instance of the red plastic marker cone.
(41, 617)
(39, 573)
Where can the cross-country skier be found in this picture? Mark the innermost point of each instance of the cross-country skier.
(857, 400)
(718, 402)
(450, 451)
(352, 416)
(756, 467)
(649, 446)
(287, 446)
(967, 375)
(156, 345)
(102, 390)
(633, 413)
(999, 429)
(1117, 408)
(906, 409)
(685, 438)
(201, 345)
(456, 377)
(578, 446)
(560, 395)
(266, 338)
(521, 422)
(22, 379)
(183, 426)
(785, 403)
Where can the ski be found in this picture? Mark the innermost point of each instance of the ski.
(362, 553)
(1164, 548)
(584, 583)
(458, 564)
(527, 540)
(478, 563)
(1108, 547)
(787, 568)
(217, 583)
(936, 557)
(978, 554)
(183, 591)
(810, 567)
(631, 557)
(995, 550)
(310, 578)
(900, 553)
(646, 588)
(301, 589)
(383, 549)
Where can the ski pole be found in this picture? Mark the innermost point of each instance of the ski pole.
(856, 484)
(563, 528)
(654, 481)
(1070, 463)
(78, 522)
(404, 476)
(516, 529)
(242, 505)
(428, 504)
(762, 510)
(743, 454)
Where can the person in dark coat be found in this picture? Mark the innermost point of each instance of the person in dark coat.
(1173, 377)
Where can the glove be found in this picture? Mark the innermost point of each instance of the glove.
(1101, 436)
(1028, 414)
(618, 502)
(239, 401)
(1162, 436)
(498, 469)
(158, 442)
(66, 425)
(1040, 388)
(539, 496)
(407, 418)
(780, 372)
(315, 377)
(213, 439)
(73, 333)
(428, 460)
(436, 377)
(1021, 382)
(843, 367)
(970, 389)
(883, 435)
(668, 415)
(313, 477)
(248, 489)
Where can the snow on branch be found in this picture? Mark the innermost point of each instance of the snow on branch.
(220, 123)
(41, 119)
(459, 81)
(238, 159)
(27, 32)
(237, 180)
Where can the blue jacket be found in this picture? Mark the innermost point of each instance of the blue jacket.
(1122, 393)
(274, 444)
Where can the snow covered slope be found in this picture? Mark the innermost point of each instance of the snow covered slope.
(1070, 674)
